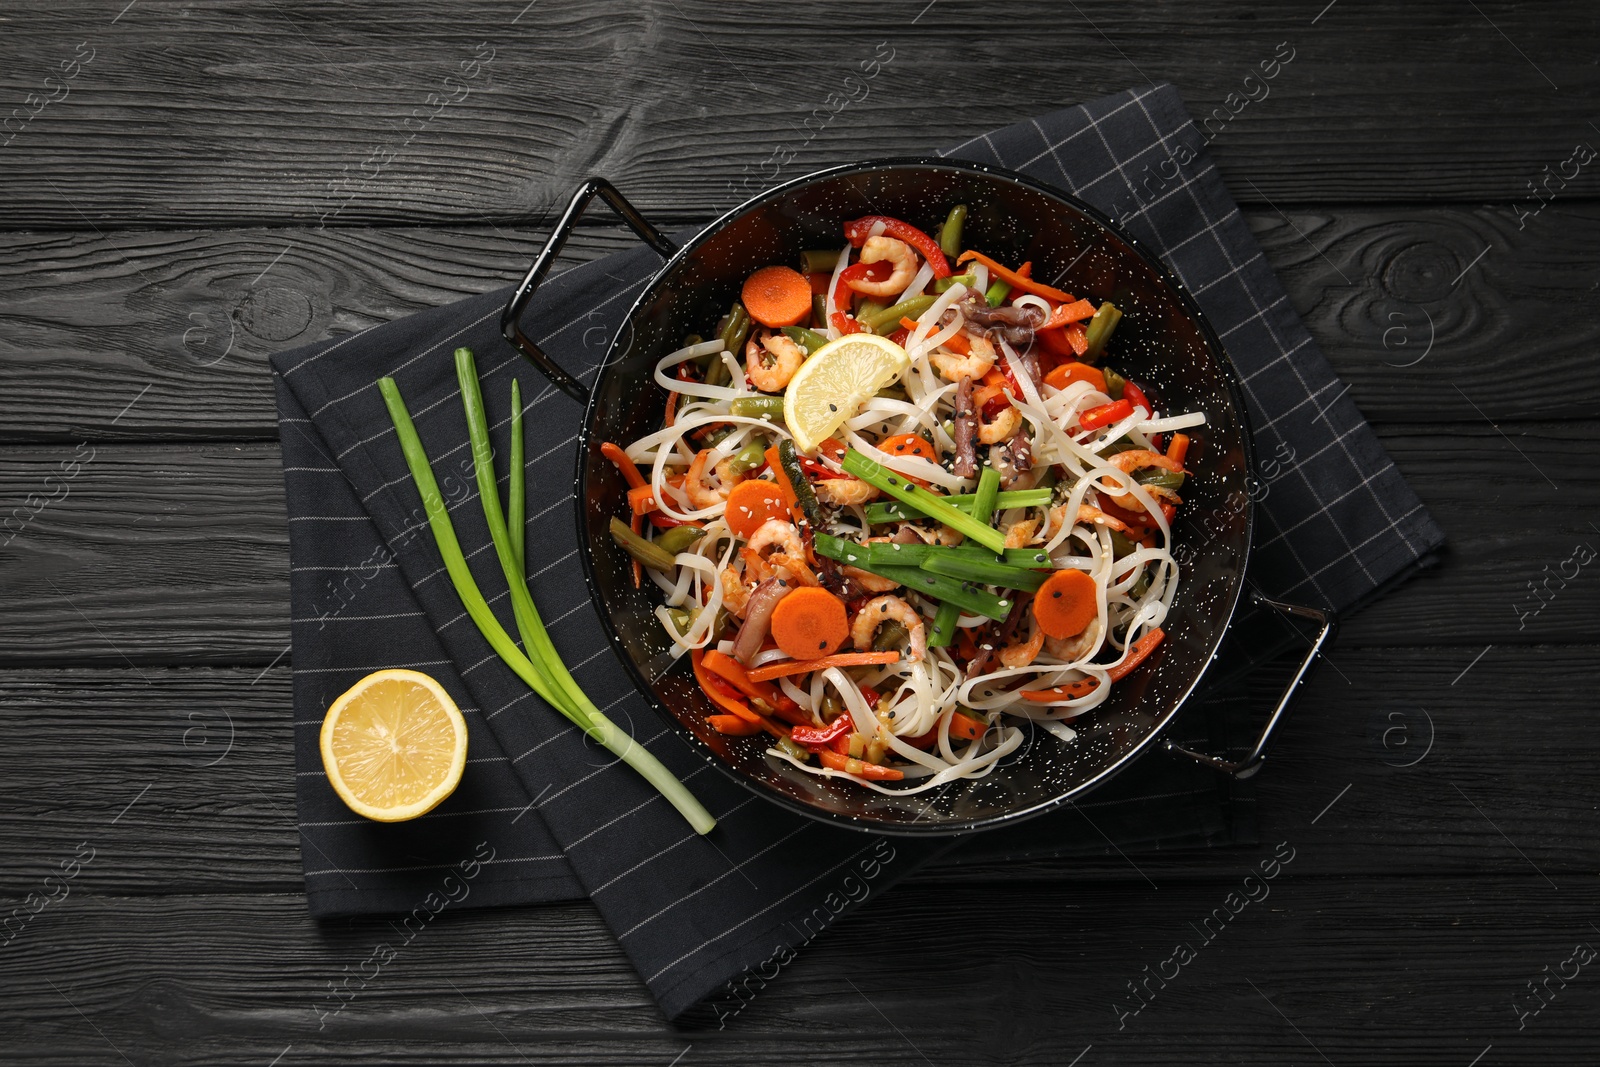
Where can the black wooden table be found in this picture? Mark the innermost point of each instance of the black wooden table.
(189, 187)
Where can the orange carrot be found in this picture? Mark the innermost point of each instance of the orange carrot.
(1136, 655)
(965, 727)
(629, 471)
(753, 503)
(1016, 279)
(642, 499)
(1076, 311)
(1068, 373)
(1178, 450)
(784, 668)
(860, 768)
(901, 443)
(721, 693)
(1070, 691)
(733, 672)
(782, 482)
(733, 725)
(1066, 603)
(810, 623)
(636, 524)
(777, 296)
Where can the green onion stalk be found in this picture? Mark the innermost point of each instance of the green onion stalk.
(540, 666)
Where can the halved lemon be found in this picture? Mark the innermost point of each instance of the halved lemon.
(394, 745)
(832, 385)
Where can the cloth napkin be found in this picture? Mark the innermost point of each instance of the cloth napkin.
(542, 813)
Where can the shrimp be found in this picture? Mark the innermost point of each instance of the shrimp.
(1006, 423)
(735, 594)
(1021, 533)
(844, 491)
(794, 566)
(1142, 459)
(872, 583)
(700, 493)
(974, 365)
(879, 610)
(777, 533)
(1077, 648)
(770, 360)
(1088, 515)
(1020, 653)
(879, 249)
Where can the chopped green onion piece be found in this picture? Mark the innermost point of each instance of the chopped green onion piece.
(983, 501)
(1100, 329)
(892, 511)
(942, 284)
(964, 595)
(997, 293)
(978, 570)
(919, 499)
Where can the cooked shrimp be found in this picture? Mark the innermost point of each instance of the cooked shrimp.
(1088, 515)
(700, 493)
(974, 365)
(897, 252)
(735, 594)
(1078, 648)
(879, 610)
(1020, 653)
(1006, 423)
(1021, 533)
(842, 492)
(780, 534)
(770, 360)
(794, 565)
(1142, 459)
(872, 583)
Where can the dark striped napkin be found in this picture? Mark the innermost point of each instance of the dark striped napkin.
(543, 814)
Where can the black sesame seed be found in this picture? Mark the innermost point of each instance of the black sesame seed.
(833, 407)
(822, 644)
(1056, 594)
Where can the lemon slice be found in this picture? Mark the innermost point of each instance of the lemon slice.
(832, 385)
(394, 745)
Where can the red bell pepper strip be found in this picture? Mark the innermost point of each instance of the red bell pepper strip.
(1136, 655)
(820, 736)
(1105, 414)
(858, 230)
(855, 272)
(859, 768)
(630, 471)
(1135, 396)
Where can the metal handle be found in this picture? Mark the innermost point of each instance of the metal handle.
(1252, 763)
(510, 319)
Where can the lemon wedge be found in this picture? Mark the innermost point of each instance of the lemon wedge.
(394, 745)
(832, 385)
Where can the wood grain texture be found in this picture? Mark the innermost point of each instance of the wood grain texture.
(201, 528)
(184, 321)
(1310, 968)
(214, 748)
(351, 115)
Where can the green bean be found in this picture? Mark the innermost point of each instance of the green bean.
(682, 618)
(1114, 383)
(767, 408)
(749, 457)
(891, 511)
(1121, 544)
(677, 539)
(650, 554)
(819, 310)
(950, 235)
(891, 635)
(832, 706)
(867, 310)
(1100, 329)
(693, 339)
(517, 486)
(819, 260)
(941, 284)
(790, 462)
(811, 340)
(1161, 479)
(888, 320)
(997, 292)
(893, 392)
(734, 330)
(799, 752)
(919, 499)
(983, 502)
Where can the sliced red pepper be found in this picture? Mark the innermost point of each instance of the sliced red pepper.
(1105, 414)
(662, 522)
(858, 230)
(855, 272)
(900, 336)
(1135, 396)
(820, 736)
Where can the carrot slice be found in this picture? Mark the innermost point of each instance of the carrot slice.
(1178, 450)
(966, 727)
(733, 725)
(1070, 691)
(859, 768)
(721, 693)
(1016, 279)
(810, 622)
(1068, 373)
(629, 470)
(1136, 655)
(1066, 603)
(1076, 311)
(777, 296)
(784, 668)
(642, 499)
(752, 503)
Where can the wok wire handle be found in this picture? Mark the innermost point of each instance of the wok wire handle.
(510, 319)
(1248, 766)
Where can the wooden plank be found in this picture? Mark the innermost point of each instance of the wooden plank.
(1372, 785)
(205, 523)
(1432, 971)
(184, 321)
(293, 112)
